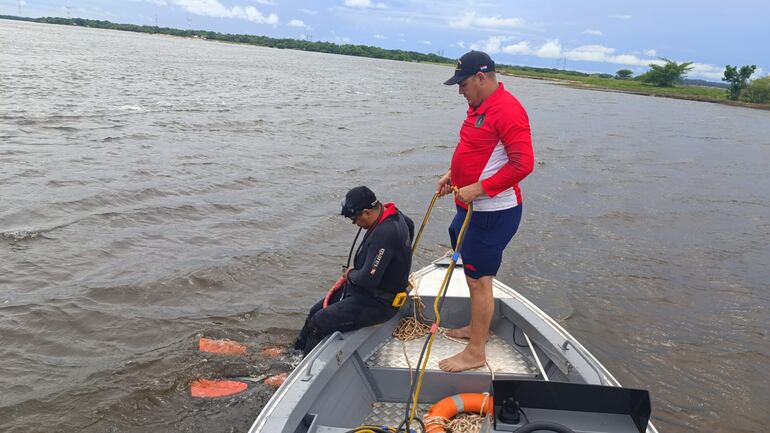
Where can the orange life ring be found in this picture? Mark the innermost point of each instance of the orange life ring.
(458, 403)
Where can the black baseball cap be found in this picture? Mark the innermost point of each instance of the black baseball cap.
(469, 64)
(356, 200)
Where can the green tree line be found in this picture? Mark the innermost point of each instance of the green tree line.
(740, 87)
(263, 41)
(295, 44)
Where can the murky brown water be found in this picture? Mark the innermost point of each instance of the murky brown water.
(154, 189)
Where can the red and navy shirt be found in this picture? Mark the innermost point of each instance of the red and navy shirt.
(495, 148)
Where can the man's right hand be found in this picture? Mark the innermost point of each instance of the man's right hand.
(444, 185)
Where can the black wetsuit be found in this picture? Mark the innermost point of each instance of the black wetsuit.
(380, 270)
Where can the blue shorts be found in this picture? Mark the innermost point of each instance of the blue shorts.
(487, 236)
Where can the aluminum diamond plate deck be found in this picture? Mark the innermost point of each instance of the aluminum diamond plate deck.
(501, 356)
(391, 414)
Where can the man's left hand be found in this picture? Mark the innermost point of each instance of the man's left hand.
(469, 193)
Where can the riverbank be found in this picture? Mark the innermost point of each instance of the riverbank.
(593, 82)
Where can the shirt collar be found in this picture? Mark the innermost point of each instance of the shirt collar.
(389, 209)
(481, 109)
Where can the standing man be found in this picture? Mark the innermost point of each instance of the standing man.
(375, 288)
(493, 155)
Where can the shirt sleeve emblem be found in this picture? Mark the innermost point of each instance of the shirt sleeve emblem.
(377, 261)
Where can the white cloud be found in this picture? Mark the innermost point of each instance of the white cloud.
(297, 23)
(621, 17)
(497, 44)
(213, 8)
(379, 37)
(602, 54)
(707, 71)
(550, 50)
(521, 48)
(588, 53)
(426, 42)
(554, 50)
(632, 60)
(308, 11)
(471, 20)
(592, 32)
(491, 45)
(364, 4)
(265, 2)
(461, 44)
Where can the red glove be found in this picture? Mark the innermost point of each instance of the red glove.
(338, 285)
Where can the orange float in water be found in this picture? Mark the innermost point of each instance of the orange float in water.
(273, 352)
(277, 380)
(216, 388)
(458, 403)
(226, 347)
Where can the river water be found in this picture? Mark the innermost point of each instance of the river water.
(155, 189)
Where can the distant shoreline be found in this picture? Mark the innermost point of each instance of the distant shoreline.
(573, 79)
(643, 90)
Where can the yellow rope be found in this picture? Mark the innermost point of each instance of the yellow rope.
(424, 222)
(465, 423)
(410, 329)
(370, 429)
(437, 314)
(436, 420)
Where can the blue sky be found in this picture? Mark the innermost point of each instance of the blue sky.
(591, 36)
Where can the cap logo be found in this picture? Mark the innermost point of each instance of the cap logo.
(483, 67)
(459, 65)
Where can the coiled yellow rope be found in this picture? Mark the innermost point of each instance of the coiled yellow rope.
(462, 422)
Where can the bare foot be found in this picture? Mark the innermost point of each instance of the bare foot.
(465, 360)
(464, 332)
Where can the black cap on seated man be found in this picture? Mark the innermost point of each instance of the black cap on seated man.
(356, 201)
(470, 64)
(380, 271)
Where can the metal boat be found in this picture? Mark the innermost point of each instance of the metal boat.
(364, 377)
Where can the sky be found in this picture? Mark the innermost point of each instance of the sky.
(590, 36)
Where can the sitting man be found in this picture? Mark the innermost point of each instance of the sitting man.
(372, 289)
